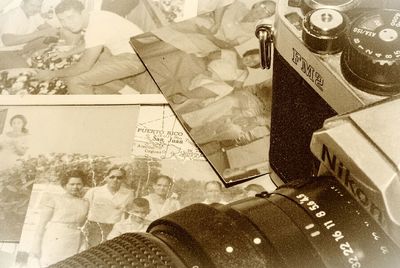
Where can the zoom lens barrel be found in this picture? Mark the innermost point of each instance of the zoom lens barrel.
(307, 223)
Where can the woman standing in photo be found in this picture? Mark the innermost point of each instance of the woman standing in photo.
(59, 232)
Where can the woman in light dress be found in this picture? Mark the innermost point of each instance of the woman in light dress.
(59, 232)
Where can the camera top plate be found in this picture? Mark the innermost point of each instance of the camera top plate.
(322, 72)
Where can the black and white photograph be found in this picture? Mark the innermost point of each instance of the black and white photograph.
(208, 68)
(80, 200)
(33, 139)
(96, 201)
(52, 47)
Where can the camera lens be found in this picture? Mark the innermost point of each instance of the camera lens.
(307, 223)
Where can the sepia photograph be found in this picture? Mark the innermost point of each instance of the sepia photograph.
(208, 68)
(53, 47)
(79, 200)
(33, 139)
(86, 205)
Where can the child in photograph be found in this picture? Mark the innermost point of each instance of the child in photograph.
(213, 193)
(136, 221)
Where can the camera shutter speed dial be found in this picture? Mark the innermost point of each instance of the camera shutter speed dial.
(371, 58)
(324, 30)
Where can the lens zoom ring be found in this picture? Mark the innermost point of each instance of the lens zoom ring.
(127, 250)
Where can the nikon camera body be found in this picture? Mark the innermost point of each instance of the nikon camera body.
(340, 58)
(325, 63)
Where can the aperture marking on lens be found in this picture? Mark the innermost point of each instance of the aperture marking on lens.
(344, 246)
(316, 233)
(329, 224)
(257, 240)
(310, 226)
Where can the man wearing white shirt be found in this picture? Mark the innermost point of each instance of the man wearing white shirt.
(161, 201)
(107, 54)
(23, 24)
(19, 26)
(107, 205)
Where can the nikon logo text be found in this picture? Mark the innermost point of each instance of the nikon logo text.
(308, 69)
(337, 167)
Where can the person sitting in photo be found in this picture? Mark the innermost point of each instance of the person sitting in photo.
(24, 24)
(136, 221)
(18, 27)
(226, 71)
(232, 130)
(108, 55)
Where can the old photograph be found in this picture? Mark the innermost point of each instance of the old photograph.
(54, 47)
(66, 216)
(208, 68)
(35, 138)
(69, 47)
(82, 200)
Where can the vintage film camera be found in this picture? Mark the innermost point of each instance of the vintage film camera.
(344, 61)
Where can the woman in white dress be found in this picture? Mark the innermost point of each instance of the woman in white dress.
(59, 233)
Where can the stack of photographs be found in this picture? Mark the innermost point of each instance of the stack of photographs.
(114, 113)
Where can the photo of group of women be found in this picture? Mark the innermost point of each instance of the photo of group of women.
(208, 68)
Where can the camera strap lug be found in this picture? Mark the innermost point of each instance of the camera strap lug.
(265, 34)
